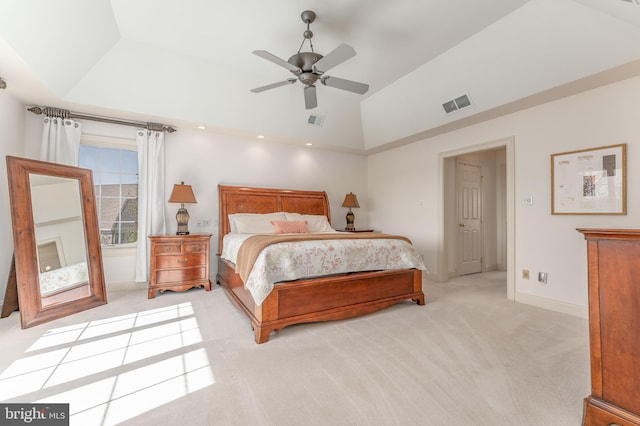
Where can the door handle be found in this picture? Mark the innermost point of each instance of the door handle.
(461, 225)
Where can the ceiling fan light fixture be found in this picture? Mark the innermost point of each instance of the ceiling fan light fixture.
(309, 67)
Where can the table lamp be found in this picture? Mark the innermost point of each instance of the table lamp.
(182, 194)
(350, 201)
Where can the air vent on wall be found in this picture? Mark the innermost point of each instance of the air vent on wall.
(316, 120)
(457, 103)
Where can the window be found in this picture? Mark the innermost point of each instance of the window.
(115, 176)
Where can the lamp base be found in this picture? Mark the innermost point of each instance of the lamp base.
(350, 219)
(183, 221)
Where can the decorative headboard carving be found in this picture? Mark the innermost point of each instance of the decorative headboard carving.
(238, 199)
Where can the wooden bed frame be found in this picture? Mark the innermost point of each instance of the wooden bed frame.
(307, 300)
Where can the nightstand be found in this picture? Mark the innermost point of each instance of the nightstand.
(179, 262)
(356, 230)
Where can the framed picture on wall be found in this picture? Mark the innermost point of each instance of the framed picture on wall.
(590, 181)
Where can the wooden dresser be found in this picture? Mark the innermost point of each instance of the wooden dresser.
(179, 262)
(613, 257)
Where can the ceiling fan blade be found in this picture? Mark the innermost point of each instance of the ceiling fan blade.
(335, 57)
(341, 83)
(278, 61)
(310, 99)
(274, 85)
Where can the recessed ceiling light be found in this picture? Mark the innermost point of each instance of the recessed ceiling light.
(260, 136)
(308, 144)
(201, 127)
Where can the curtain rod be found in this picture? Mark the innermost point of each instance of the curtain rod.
(65, 113)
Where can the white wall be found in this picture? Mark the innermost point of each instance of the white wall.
(11, 137)
(400, 179)
(204, 160)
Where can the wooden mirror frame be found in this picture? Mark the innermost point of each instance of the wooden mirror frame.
(27, 273)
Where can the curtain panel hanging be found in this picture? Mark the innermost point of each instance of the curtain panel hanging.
(151, 199)
(60, 140)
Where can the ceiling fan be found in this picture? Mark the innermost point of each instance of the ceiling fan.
(310, 67)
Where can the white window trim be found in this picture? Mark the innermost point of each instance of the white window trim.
(115, 143)
(108, 142)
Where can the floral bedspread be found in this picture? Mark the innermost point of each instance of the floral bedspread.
(58, 279)
(294, 260)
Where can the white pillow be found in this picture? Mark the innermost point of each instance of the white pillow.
(315, 222)
(254, 223)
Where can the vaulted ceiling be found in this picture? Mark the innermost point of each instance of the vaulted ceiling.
(190, 62)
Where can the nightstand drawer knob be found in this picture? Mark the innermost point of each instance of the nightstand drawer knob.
(185, 260)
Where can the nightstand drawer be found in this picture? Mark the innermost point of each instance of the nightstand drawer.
(195, 247)
(168, 248)
(180, 260)
(181, 275)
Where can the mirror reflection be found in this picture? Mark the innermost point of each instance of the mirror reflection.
(58, 259)
(60, 239)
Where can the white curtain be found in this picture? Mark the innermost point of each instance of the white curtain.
(60, 140)
(151, 200)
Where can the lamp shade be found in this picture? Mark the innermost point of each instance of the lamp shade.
(350, 200)
(182, 194)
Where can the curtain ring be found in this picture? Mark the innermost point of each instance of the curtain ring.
(56, 112)
(156, 127)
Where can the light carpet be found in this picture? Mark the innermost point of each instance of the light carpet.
(469, 357)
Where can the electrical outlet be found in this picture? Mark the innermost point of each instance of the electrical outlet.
(542, 277)
(525, 274)
(203, 223)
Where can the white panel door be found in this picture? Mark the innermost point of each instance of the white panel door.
(469, 195)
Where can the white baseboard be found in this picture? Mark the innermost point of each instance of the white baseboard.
(122, 286)
(553, 305)
(490, 268)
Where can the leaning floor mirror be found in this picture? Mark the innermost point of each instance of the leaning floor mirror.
(58, 259)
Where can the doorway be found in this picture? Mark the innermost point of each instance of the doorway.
(477, 217)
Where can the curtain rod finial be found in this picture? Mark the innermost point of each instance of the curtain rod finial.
(36, 110)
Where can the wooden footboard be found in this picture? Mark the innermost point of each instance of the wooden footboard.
(310, 300)
(321, 299)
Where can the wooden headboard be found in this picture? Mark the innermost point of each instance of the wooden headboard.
(238, 199)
